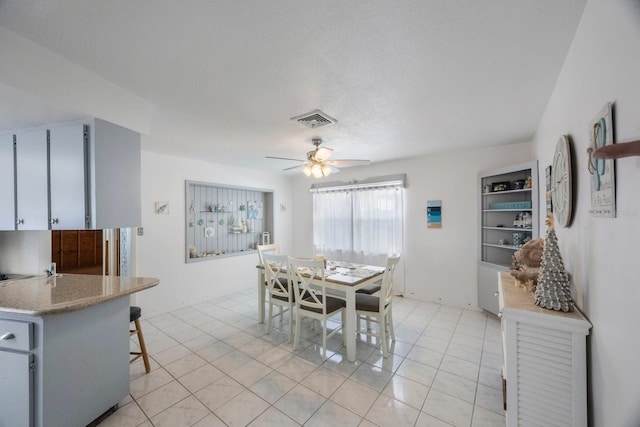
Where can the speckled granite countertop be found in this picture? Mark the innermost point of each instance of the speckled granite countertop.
(42, 295)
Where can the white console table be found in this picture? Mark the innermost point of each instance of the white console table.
(545, 363)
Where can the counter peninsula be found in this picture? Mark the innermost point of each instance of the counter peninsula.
(64, 347)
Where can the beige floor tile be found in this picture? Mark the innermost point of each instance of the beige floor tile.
(149, 382)
(185, 413)
(323, 381)
(355, 397)
(407, 391)
(129, 415)
(242, 409)
(250, 373)
(448, 408)
(273, 417)
(273, 386)
(185, 365)
(297, 368)
(219, 392)
(300, 403)
(332, 414)
(200, 377)
(386, 411)
(162, 398)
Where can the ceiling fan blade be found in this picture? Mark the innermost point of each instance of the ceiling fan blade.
(284, 158)
(348, 162)
(295, 167)
(322, 154)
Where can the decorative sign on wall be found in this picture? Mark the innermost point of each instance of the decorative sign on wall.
(162, 208)
(434, 213)
(603, 185)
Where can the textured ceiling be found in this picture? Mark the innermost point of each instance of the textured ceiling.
(403, 78)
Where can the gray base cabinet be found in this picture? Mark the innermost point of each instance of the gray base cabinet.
(16, 388)
(80, 366)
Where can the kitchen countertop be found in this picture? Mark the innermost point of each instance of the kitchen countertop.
(43, 295)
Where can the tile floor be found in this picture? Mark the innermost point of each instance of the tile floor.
(214, 365)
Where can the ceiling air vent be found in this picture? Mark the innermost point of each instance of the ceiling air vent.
(314, 119)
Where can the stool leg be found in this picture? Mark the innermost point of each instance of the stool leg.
(143, 346)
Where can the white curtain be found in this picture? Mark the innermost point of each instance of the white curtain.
(362, 225)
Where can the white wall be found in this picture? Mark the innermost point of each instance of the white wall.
(602, 254)
(160, 252)
(25, 252)
(439, 264)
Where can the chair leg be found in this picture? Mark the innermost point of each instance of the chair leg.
(342, 319)
(143, 347)
(290, 321)
(389, 318)
(383, 334)
(297, 337)
(270, 318)
(324, 339)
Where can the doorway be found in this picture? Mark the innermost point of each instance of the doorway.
(78, 251)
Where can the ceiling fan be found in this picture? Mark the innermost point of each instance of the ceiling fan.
(318, 163)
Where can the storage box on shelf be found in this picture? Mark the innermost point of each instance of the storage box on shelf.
(223, 220)
(508, 219)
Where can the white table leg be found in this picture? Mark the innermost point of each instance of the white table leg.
(349, 324)
(261, 295)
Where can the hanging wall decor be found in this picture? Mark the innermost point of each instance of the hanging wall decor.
(434, 213)
(603, 184)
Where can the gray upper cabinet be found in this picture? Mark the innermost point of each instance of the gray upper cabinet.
(114, 176)
(67, 176)
(7, 189)
(32, 193)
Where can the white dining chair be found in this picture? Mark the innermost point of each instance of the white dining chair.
(378, 309)
(311, 297)
(279, 288)
(273, 249)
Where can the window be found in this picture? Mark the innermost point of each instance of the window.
(360, 223)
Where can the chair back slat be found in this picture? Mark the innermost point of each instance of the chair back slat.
(274, 268)
(386, 288)
(273, 249)
(304, 272)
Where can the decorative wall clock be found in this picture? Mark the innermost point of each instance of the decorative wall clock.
(561, 182)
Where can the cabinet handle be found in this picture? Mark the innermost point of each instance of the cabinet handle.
(7, 336)
(54, 220)
(500, 315)
(20, 221)
(495, 294)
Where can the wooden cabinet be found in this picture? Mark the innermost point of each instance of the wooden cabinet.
(71, 176)
(7, 189)
(545, 362)
(32, 192)
(508, 218)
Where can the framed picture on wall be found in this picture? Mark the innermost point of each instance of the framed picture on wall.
(603, 182)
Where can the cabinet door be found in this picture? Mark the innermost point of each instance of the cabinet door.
(67, 166)
(7, 189)
(31, 180)
(16, 389)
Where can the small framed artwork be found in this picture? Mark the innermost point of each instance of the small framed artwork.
(162, 208)
(434, 213)
(254, 210)
(603, 182)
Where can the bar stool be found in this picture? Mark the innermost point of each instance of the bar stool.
(134, 316)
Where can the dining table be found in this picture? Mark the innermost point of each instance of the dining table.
(344, 279)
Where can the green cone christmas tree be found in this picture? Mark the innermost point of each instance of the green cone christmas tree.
(553, 290)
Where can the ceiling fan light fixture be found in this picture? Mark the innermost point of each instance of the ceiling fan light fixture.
(316, 170)
(326, 170)
(307, 170)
